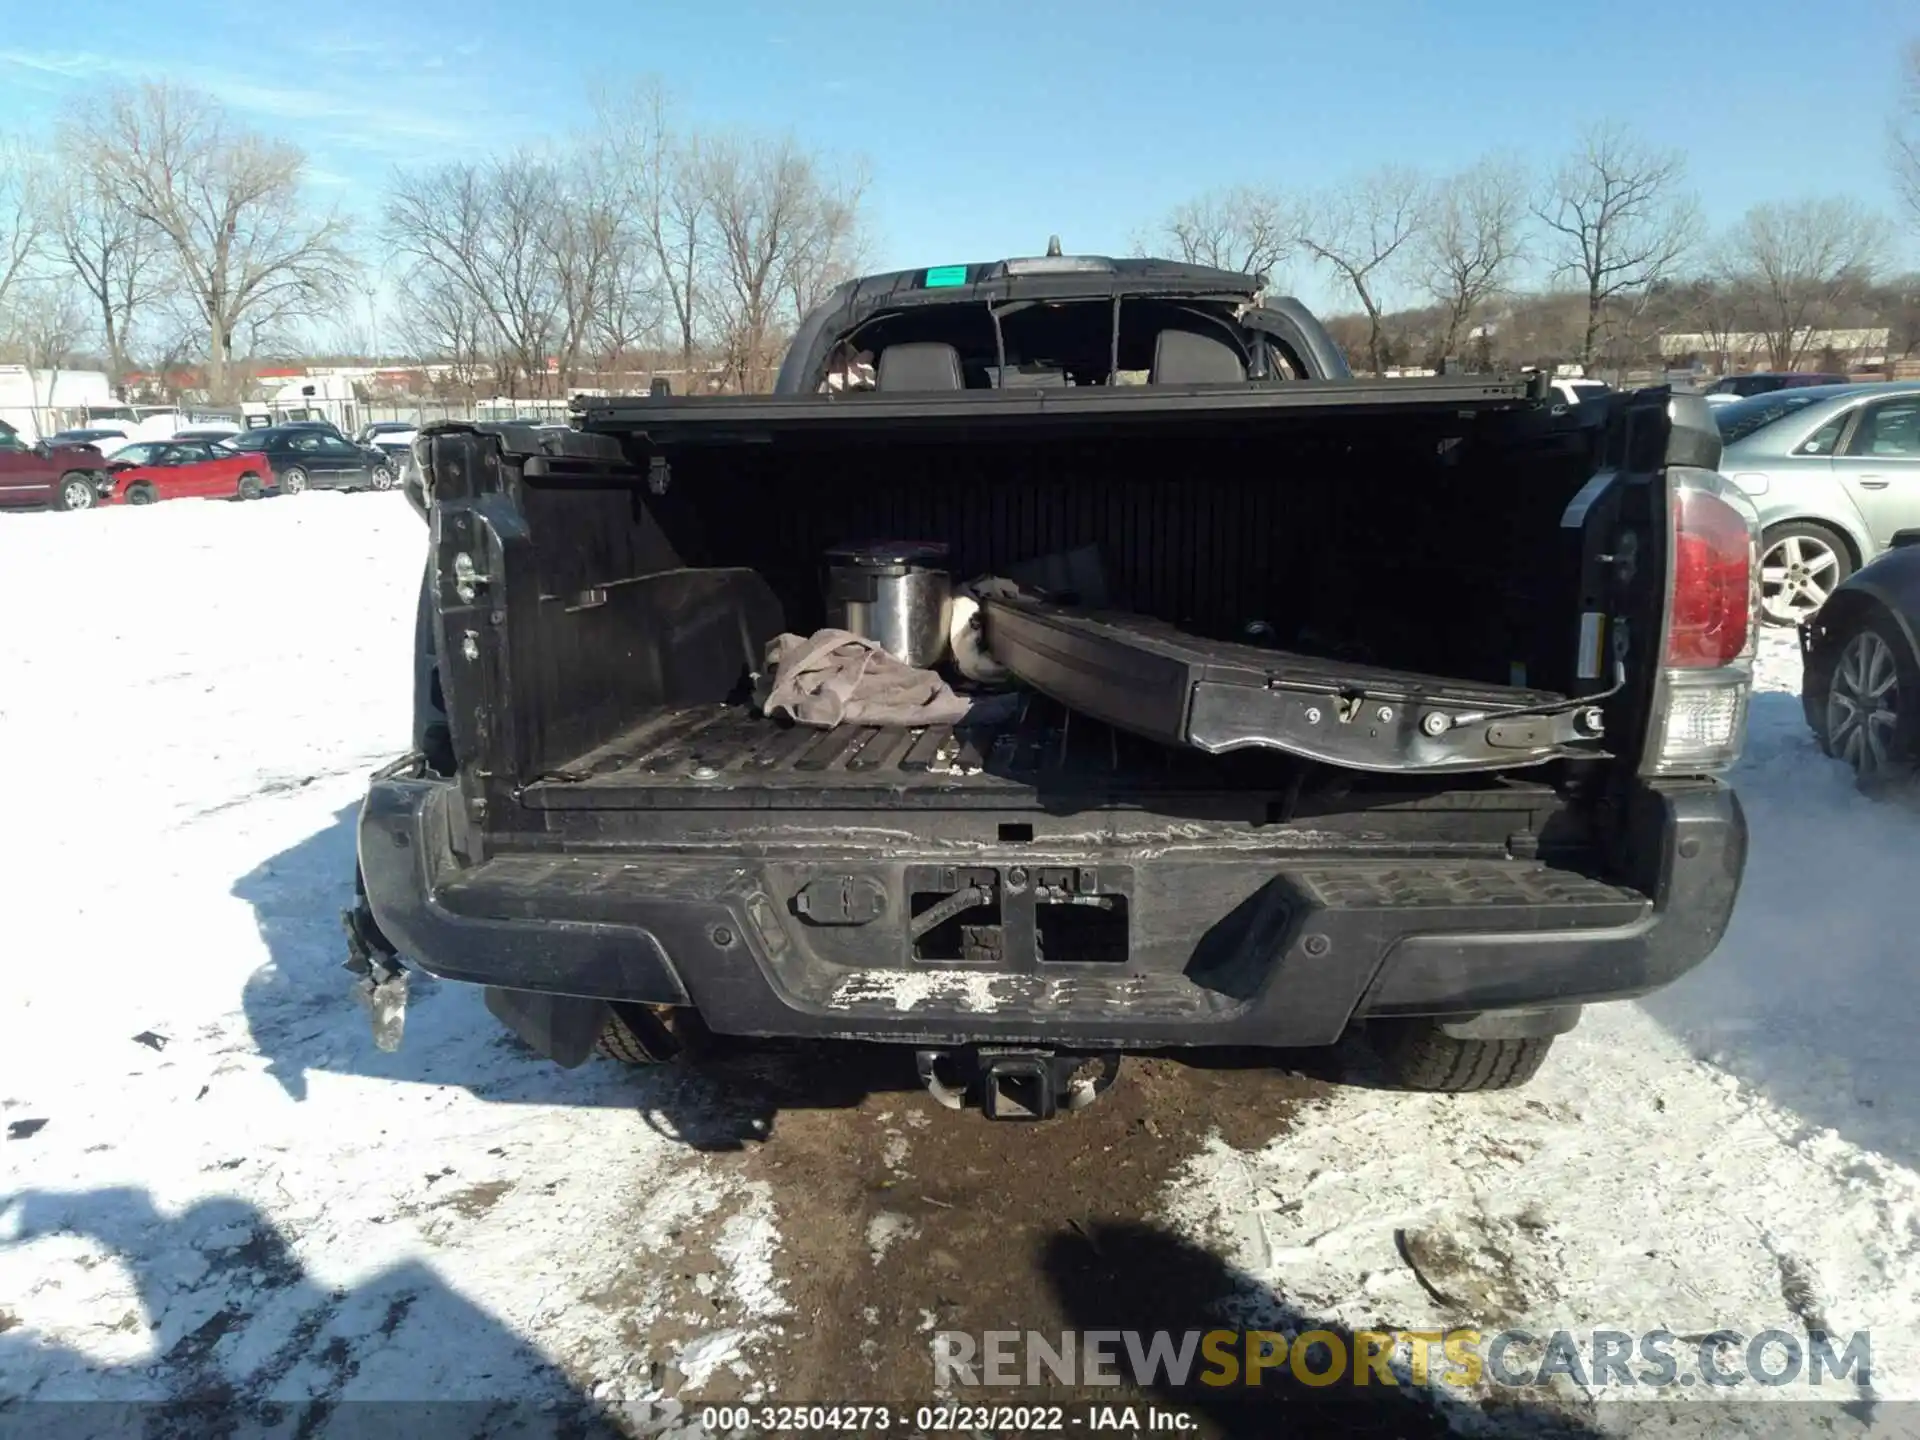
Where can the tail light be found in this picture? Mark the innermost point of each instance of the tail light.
(1713, 621)
(1715, 590)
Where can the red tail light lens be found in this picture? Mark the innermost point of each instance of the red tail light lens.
(1713, 582)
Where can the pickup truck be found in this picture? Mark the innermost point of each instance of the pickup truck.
(1397, 706)
(65, 477)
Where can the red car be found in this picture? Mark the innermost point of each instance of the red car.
(183, 469)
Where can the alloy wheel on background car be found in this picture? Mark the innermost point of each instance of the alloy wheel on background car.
(383, 477)
(1863, 705)
(77, 493)
(1797, 573)
(293, 481)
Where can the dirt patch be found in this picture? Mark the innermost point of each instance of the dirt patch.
(474, 1201)
(899, 1217)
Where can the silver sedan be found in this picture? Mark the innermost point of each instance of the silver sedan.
(1834, 471)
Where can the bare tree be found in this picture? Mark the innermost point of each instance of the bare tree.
(22, 211)
(1720, 308)
(114, 256)
(485, 231)
(589, 235)
(1806, 260)
(831, 246)
(1617, 220)
(46, 327)
(441, 321)
(1906, 136)
(1240, 228)
(1363, 233)
(666, 174)
(1472, 242)
(780, 225)
(231, 204)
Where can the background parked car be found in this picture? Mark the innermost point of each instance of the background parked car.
(1860, 681)
(153, 470)
(385, 429)
(305, 457)
(70, 477)
(1762, 382)
(1574, 391)
(1834, 471)
(393, 438)
(104, 438)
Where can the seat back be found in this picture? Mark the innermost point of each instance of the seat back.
(920, 365)
(1185, 357)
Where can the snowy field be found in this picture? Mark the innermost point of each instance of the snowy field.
(215, 1187)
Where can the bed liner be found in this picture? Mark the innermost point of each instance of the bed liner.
(1013, 752)
(1182, 690)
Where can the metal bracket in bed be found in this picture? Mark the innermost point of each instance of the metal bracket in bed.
(1373, 731)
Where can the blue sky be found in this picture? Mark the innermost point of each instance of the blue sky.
(989, 126)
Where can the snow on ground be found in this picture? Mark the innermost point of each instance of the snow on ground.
(1676, 1158)
(219, 1182)
(229, 1176)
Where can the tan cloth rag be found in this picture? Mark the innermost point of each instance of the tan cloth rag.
(834, 677)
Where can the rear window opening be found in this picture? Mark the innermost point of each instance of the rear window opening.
(1051, 344)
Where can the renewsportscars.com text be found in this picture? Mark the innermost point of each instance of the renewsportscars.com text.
(1460, 1358)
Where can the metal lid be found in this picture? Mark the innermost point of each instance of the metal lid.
(875, 554)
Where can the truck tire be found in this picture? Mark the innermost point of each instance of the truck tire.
(75, 491)
(650, 1034)
(1419, 1057)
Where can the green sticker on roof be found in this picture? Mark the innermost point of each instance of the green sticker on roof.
(946, 275)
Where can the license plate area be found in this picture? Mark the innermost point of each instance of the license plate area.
(1019, 917)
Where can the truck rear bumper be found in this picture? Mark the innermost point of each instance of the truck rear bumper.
(1201, 947)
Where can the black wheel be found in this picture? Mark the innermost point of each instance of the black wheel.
(293, 481)
(1872, 717)
(250, 487)
(76, 492)
(1801, 562)
(650, 1034)
(1420, 1057)
(141, 494)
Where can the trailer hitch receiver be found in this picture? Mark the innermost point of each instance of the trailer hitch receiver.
(1017, 1084)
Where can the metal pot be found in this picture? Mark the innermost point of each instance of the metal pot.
(895, 593)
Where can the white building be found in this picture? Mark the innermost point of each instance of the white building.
(1748, 349)
(39, 403)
